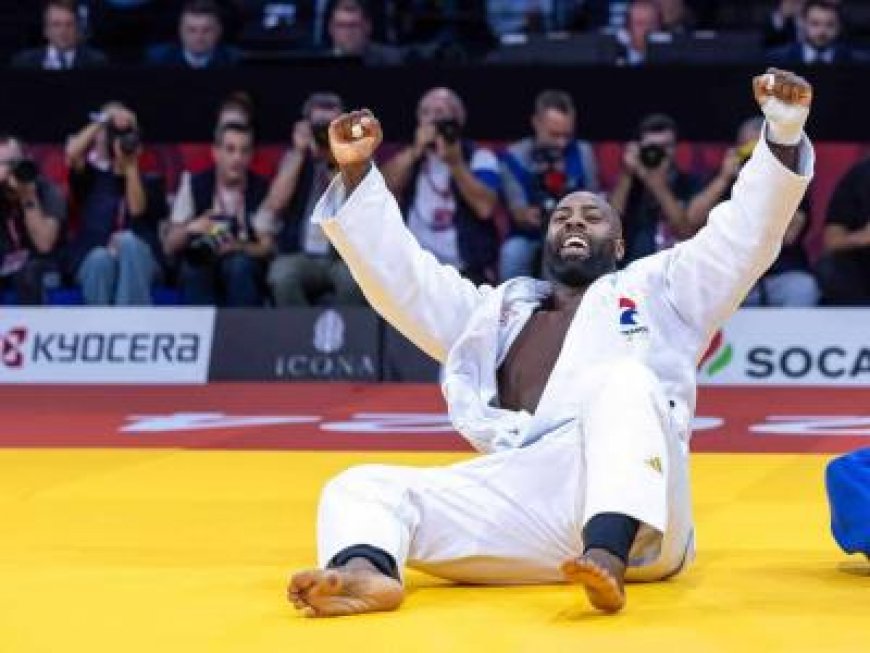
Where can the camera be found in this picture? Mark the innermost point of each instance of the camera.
(203, 248)
(449, 129)
(551, 181)
(651, 156)
(128, 139)
(320, 133)
(25, 171)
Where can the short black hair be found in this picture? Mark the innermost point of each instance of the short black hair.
(657, 122)
(351, 5)
(554, 99)
(202, 7)
(233, 127)
(326, 100)
(826, 5)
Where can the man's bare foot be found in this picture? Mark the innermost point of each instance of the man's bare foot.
(602, 575)
(352, 589)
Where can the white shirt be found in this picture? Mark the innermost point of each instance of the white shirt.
(431, 217)
(58, 59)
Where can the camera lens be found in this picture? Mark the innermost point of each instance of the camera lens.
(651, 156)
(449, 130)
(25, 171)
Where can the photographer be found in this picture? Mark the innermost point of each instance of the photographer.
(536, 173)
(789, 281)
(32, 211)
(307, 269)
(448, 187)
(217, 227)
(651, 194)
(115, 254)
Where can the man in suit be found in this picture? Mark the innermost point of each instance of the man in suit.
(64, 51)
(200, 30)
(818, 43)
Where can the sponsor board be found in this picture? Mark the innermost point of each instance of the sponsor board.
(790, 347)
(105, 345)
(329, 344)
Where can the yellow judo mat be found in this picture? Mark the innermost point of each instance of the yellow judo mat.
(171, 550)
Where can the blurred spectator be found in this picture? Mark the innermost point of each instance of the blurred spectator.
(781, 26)
(844, 270)
(676, 16)
(643, 18)
(536, 172)
(33, 212)
(307, 268)
(115, 253)
(520, 16)
(350, 27)
(652, 193)
(819, 38)
(237, 107)
(447, 188)
(789, 281)
(64, 49)
(200, 30)
(218, 227)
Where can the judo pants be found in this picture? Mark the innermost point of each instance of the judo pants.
(515, 516)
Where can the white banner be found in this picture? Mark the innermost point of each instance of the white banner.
(105, 345)
(766, 346)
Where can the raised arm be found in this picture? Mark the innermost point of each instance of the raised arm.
(708, 276)
(428, 302)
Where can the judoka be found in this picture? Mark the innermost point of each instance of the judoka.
(578, 390)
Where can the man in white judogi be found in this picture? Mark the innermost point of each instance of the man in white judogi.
(579, 389)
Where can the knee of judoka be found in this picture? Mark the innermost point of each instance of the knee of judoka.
(627, 376)
(361, 479)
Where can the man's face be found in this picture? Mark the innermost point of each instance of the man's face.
(9, 152)
(200, 33)
(642, 19)
(318, 117)
(553, 128)
(350, 31)
(436, 105)
(821, 27)
(233, 155)
(60, 28)
(584, 240)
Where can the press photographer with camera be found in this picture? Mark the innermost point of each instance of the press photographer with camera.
(789, 281)
(307, 269)
(447, 188)
(217, 227)
(32, 215)
(652, 193)
(536, 172)
(115, 254)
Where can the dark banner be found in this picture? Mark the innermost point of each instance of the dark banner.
(329, 344)
(708, 102)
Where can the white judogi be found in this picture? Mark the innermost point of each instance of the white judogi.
(611, 431)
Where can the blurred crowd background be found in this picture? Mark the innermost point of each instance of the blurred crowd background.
(102, 219)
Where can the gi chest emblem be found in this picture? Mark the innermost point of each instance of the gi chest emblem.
(630, 320)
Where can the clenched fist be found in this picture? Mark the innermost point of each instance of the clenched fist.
(785, 99)
(353, 139)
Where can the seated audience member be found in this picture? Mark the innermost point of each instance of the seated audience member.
(32, 215)
(652, 193)
(350, 28)
(780, 28)
(115, 256)
(64, 49)
(200, 31)
(818, 41)
(307, 269)
(536, 172)
(217, 228)
(844, 270)
(789, 281)
(447, 188)
(643, 18)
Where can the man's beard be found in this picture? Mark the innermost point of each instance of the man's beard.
(576, 272)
